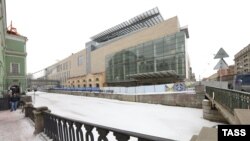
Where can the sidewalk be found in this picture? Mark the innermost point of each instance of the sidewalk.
(15, 127)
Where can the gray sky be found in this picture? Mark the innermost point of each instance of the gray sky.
(57, 28)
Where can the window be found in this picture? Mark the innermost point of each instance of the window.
(97, 79)
(59, 68)
(90, 80)
(83, 80)
(97, 85)
(90, 85)
(84, 85)
(15, 68)
(80, 60)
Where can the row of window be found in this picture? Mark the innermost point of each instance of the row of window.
(144, 54)
(62, 67)
(63, 76)
(78, 81)
(84, 85)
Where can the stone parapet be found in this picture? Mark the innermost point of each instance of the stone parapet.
(180, 99)
(39, 118)
(211, 113)
(200, 89)
(28, 107)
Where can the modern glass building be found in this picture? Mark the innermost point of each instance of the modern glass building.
(143, 50)
(161, 60)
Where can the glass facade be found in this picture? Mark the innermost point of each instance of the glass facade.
(163, 54)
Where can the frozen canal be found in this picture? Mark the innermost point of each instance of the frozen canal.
(178, 123)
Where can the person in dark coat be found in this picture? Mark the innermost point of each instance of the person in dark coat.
(14, 101)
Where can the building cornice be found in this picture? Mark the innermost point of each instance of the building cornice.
(241, 52)
(16, 37)
(15, 76)
(15, 53)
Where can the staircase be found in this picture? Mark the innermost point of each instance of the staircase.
(206, 134)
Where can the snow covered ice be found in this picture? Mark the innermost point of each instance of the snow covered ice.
(177, 123)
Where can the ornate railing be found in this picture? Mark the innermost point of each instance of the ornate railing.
(65, 129)
(229, 99)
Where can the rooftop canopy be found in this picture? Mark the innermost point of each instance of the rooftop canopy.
(160, 74)
(144, 20)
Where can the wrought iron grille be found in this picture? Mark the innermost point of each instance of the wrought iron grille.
(65, 129)
(229, 99)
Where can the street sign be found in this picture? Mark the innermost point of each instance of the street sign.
(221, 65)
(221, 54)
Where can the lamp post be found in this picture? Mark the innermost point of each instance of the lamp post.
(34, 89)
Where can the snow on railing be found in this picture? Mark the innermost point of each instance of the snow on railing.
(60, 128)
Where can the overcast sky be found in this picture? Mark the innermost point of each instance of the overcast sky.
(58, 28)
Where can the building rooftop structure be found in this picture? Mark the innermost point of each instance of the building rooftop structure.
(13, 31)
(144, 20)
(241, 52)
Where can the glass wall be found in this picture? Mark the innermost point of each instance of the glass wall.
(163, 54)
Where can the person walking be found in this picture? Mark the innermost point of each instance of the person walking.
(14, 101)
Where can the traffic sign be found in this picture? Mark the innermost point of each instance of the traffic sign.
(221, 54)
(221, 65)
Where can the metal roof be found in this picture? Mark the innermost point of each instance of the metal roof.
(146, 19)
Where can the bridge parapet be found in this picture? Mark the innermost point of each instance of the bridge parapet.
(211, 113)
(229, 99)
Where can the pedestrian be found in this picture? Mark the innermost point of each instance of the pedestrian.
(14, 102)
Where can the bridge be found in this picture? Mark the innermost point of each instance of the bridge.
(42, 83)
(223, 105)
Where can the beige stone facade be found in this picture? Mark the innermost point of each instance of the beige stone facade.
(72, 66)
(242, 60)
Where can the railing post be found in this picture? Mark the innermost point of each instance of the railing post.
(27, 107)
(39, 119)
(200, 89)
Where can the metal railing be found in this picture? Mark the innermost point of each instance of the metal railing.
(65, 129)
(4, 104)
(229, 99)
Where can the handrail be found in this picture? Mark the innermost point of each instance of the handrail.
(229, 99)
(61, 128)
